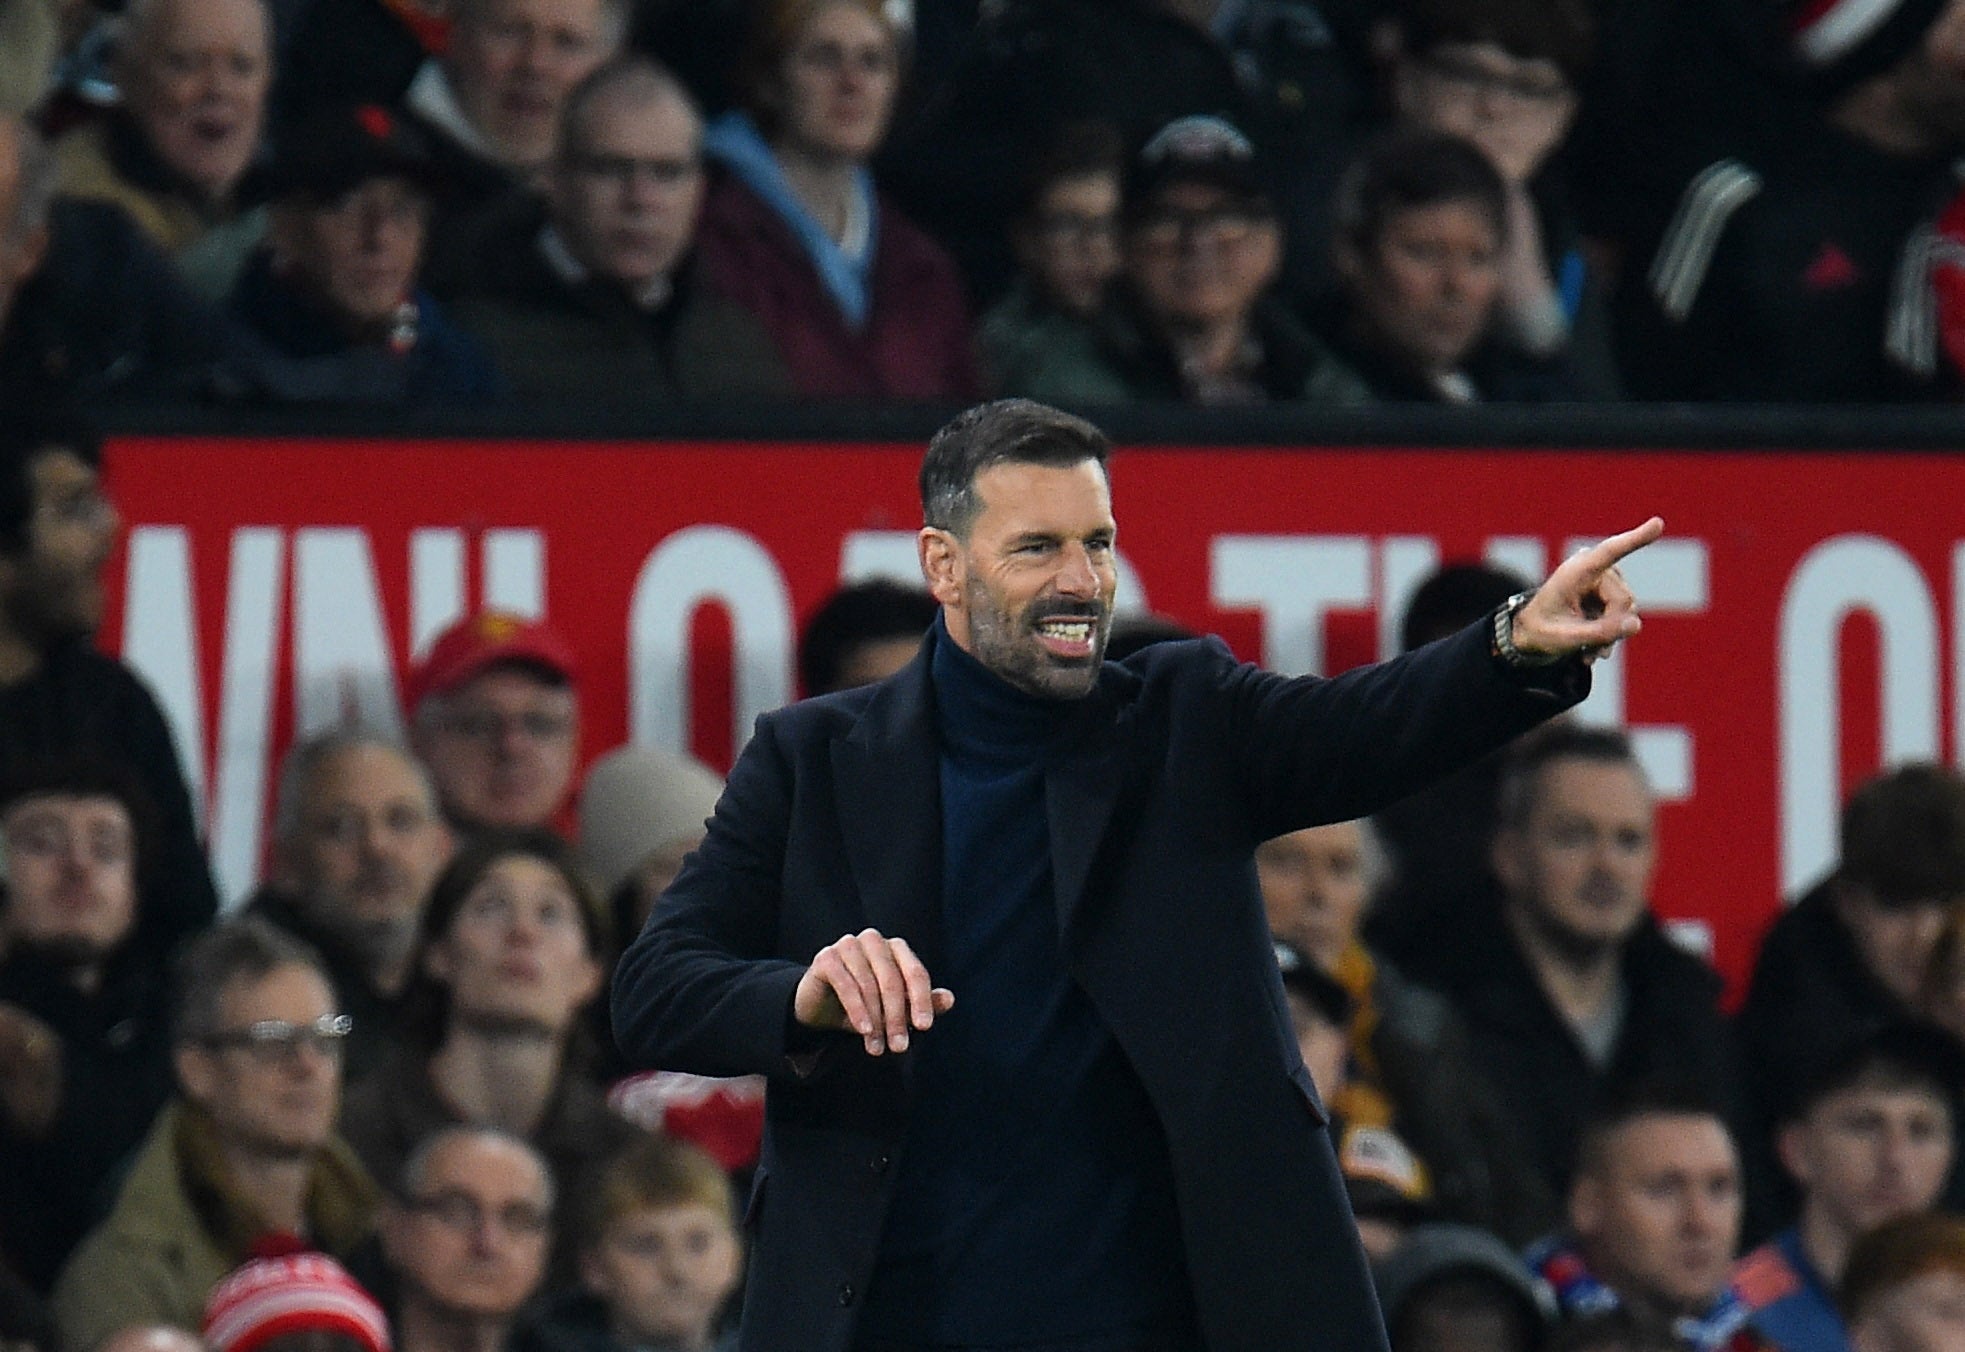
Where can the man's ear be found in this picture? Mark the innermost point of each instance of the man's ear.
(196, 1074)
(1585, 1205)
(1793, 1157)
(942, 565)
(1504, 857)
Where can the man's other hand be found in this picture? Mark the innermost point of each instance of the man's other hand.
(874, 986)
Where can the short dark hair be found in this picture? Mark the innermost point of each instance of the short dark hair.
(1903, 835)
(1561, 31)
(35, 425)
(1005, 431)
(1077, 150)
(1408, 168)
(1902, 1054)
(244, 949)
(1515, 798)
(1622, 1104)
(858, 613)
(85, 776)
(1453, 597)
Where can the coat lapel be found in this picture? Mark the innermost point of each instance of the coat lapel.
(887, 783)
(1081, 792)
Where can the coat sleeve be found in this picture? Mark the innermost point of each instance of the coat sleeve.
(699, 990)
(1314, 750)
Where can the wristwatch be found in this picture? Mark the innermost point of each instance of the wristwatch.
(1502, 642)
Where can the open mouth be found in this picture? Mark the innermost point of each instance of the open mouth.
(1071, 637)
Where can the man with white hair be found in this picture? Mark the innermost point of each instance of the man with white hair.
(194, 77)
(495, 96)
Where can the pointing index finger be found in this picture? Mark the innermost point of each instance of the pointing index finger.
(1616, 548)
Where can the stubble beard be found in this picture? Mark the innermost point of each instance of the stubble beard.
(1007, 644)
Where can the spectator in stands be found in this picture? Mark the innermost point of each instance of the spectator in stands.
(1573, 990)
(339, 275)
(495, 714)
(1823, 264)
(1504, 74)
(247, 1152)
(1412, 1068)
(84, 1045)
(1293, 74)
(642, 811)
(88, 302)
(290, 1301)
(862, 633)
(1870, 1140)
(466, 1238)
(508, 957)
(1422, 226)
(594, 295)
(1905, 1289)
(1455, 1286)
(60, 699)
(1066, 239)
(194, 76)
(1194, 320)
(493, 97)
(1388, 1185)
(860, 303)
(1438, 838)
(1654, 1218)
(358, 842)
(1851, 955)
(659, 1257)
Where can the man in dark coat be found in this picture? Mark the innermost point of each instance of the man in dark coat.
(594, 295)
(1096, 1131)
(1572, 992)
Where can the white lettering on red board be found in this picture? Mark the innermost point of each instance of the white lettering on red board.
(341, 642)
(1837, 579)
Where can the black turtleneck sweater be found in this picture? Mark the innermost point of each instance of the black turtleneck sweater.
(1034, 1205)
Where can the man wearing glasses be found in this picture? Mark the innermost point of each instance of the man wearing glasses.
(495, 715)
(467, 1239)
(244, 1154)
(594, 292)
(84, 1041)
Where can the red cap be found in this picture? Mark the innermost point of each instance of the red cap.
(296, 1293)
(482, 641)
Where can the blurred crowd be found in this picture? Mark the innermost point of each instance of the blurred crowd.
(625, 203)
(375, 1106)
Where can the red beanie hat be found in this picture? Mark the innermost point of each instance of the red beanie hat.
(293, 1293)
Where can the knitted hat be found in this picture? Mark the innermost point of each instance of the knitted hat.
(638, 799)
(294, 1293)
(1840, 43)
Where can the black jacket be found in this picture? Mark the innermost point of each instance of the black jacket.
(1184, 761)
(1672, 1030)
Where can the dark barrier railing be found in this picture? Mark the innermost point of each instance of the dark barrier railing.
(1599, 426)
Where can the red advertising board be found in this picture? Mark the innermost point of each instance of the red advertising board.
(1802, 617)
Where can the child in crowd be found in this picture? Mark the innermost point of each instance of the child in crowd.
(659, 1256)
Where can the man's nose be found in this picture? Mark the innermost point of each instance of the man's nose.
(1078, 577)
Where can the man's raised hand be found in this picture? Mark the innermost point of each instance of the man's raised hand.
(1586, 606)
(874, 986)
